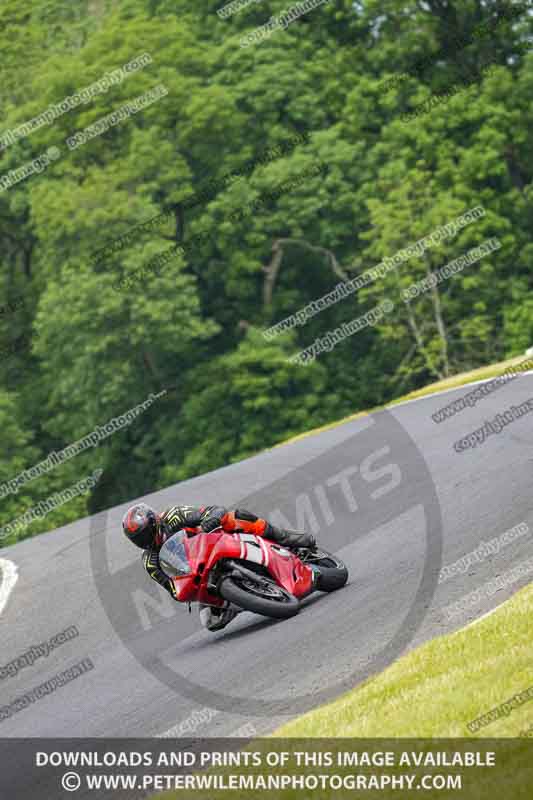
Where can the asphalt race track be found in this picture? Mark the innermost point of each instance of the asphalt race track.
(388, 492)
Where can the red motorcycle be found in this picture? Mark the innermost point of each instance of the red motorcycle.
(252, 573)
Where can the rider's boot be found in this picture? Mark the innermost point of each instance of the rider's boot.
(214, 619)
(292, 540)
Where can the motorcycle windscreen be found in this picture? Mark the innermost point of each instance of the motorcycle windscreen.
(173, 556)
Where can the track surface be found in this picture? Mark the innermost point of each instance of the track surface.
(482, 493)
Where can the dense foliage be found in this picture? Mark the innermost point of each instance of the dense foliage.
(78, 351)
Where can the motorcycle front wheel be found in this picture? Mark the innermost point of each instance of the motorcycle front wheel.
(262, 596)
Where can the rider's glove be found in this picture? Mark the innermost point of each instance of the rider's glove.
(213, 519)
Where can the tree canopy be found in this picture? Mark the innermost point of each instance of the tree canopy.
(273, 235)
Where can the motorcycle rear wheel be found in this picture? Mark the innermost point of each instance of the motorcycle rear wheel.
(250, 596)
(333, 573)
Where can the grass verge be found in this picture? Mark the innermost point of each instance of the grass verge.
(431, 695)
(442, 686)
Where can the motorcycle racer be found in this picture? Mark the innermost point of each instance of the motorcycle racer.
(149, 530)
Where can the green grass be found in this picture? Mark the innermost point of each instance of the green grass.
(437, 689)
(434, 691)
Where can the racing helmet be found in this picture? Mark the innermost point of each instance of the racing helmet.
(140, 525)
